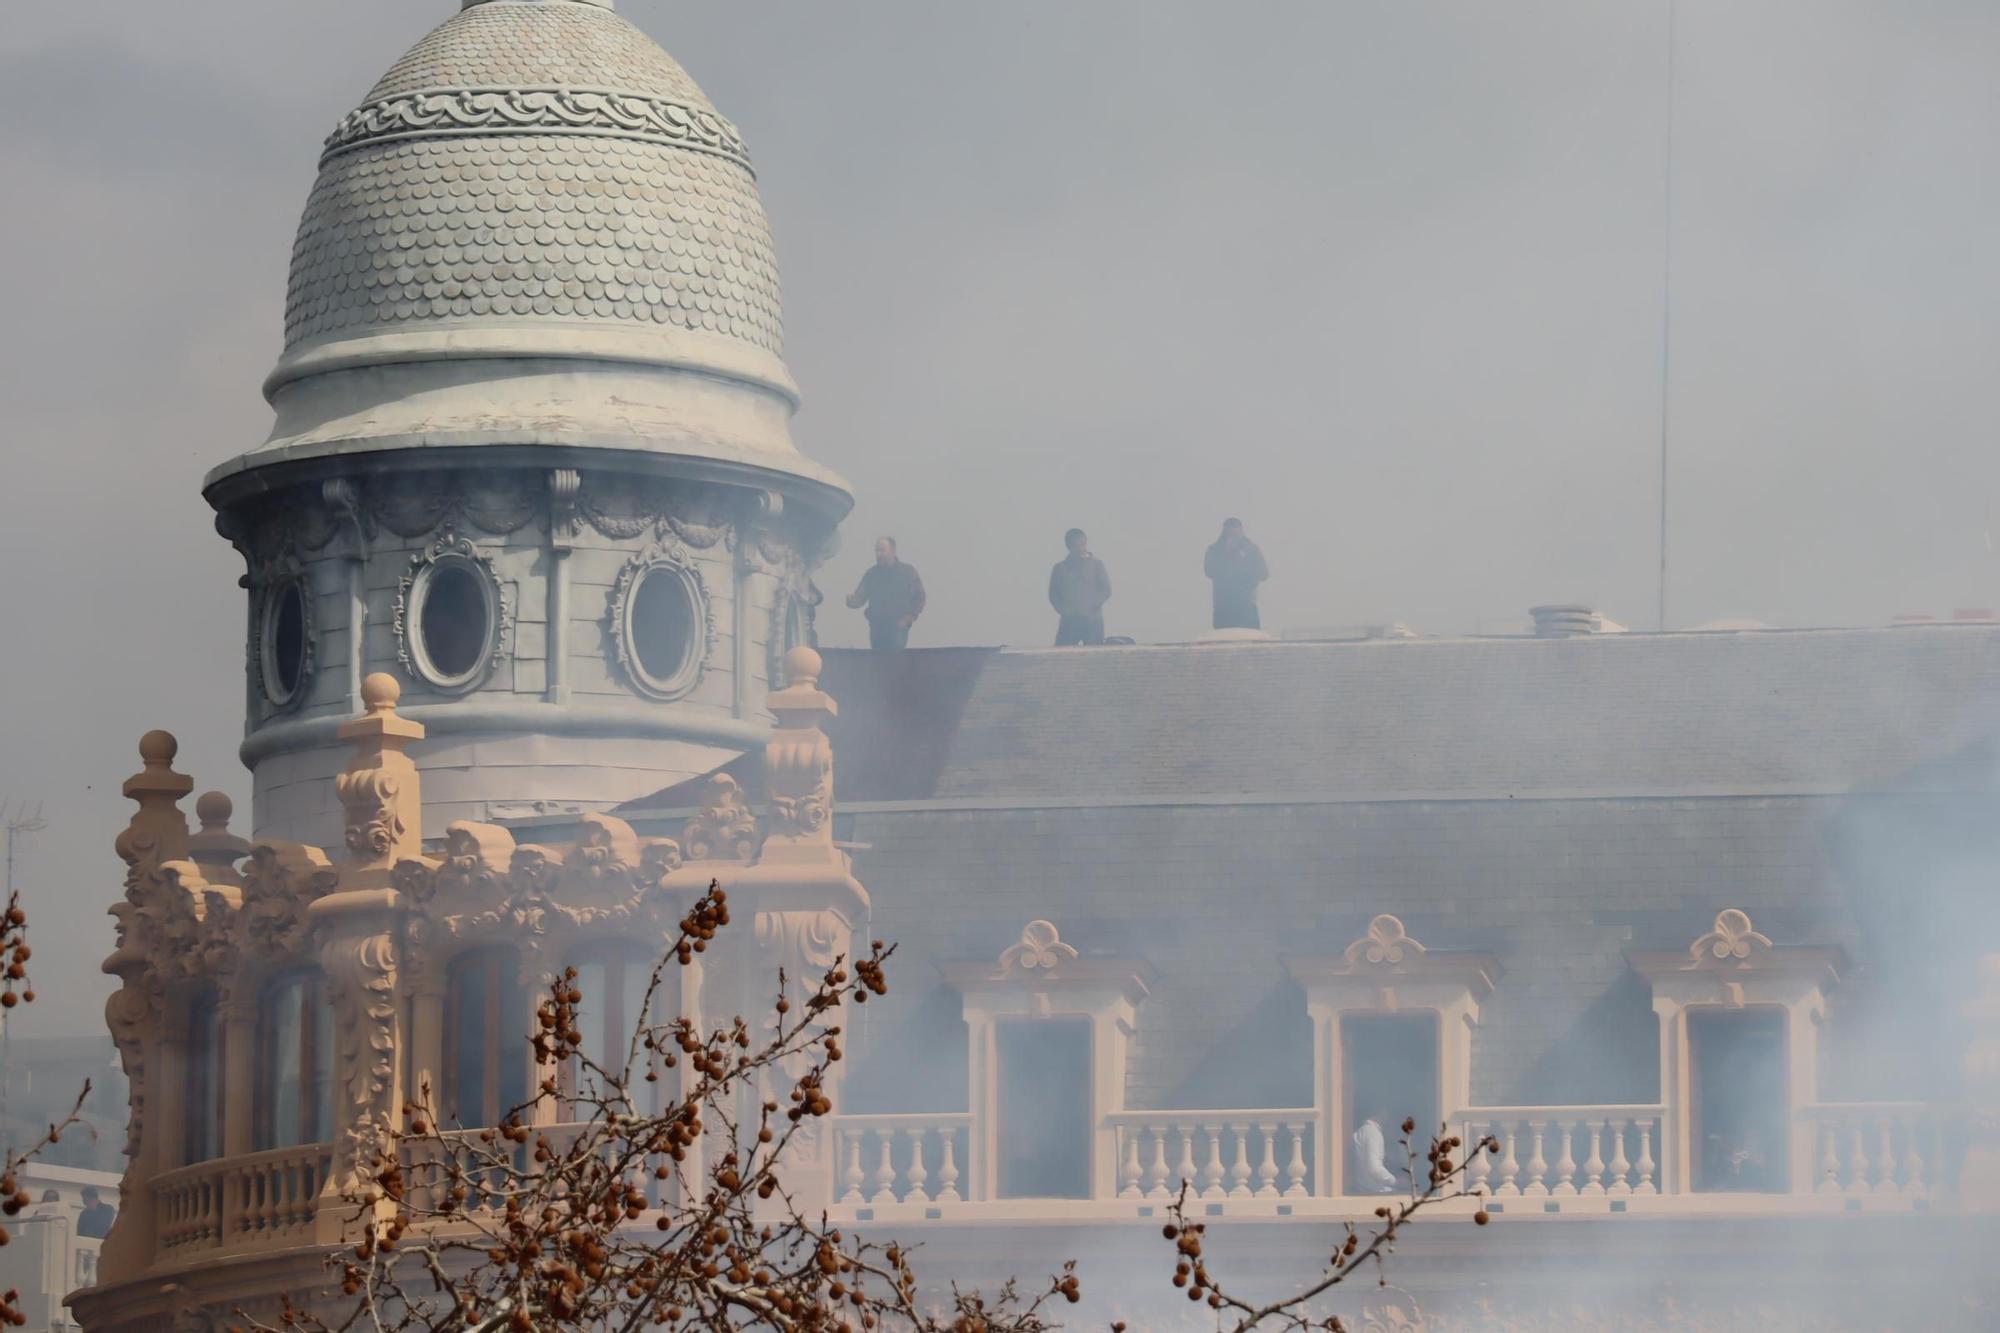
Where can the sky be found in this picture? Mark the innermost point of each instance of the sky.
(1385, 279)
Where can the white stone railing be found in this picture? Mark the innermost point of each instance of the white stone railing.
(1218, 1154)
(1876, 1147)
(1563, 1151)
(917, 1158)
(258, 1196)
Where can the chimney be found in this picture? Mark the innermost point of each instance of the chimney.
(1565, 621)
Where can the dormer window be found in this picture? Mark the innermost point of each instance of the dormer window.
(1739, 1022)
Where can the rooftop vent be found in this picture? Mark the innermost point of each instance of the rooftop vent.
(1565, 621)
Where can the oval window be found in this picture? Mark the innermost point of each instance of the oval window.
(454, 622)
(665, 629)
(284, 642)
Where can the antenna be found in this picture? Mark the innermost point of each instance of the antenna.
(1666, 301)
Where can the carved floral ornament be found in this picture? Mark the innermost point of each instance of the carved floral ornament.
(486, 887)
(1385, 945)
(1039, 952)
(723, 828)
(1731, 943)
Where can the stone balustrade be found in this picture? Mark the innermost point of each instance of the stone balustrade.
(1876, 1148)
(232, 1202)
(1564, 1151)
(900, 1158)
(1215, 1154)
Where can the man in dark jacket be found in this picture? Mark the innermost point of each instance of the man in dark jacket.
(894, 596)
(1079, 586)
(1235, 566)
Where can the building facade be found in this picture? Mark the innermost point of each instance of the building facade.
(1694, 925)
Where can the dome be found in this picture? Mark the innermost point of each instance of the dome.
(534, 229)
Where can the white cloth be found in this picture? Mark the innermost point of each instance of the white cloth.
(1371, 1172)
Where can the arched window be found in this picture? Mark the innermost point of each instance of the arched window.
(294, 1061)
(202, 1132)
(612, 977)
(487, 1059)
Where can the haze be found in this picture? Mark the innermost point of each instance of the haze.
(1383, 279)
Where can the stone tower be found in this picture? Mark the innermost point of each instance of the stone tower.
(532, 450)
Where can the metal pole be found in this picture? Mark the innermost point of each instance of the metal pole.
(1666, 304)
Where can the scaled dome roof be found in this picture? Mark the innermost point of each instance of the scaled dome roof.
(535, 229)
(535, 160)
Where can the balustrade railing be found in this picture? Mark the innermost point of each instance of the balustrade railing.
(1564, 1151)
(1862, 1148)
(900, 1158)
(1219, 1154)
(265, 1195)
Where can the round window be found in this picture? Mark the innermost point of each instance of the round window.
(284, 642)
(664, 630)
(454, 622)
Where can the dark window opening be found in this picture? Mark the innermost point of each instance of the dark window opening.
(288, 640)
(664, 625)
(294, 1103)
(612, 980)
(201, 1136)
(455, 622)
(487, 1060)
(1740, 1099)
(1045, 1110)
(1389, 1074)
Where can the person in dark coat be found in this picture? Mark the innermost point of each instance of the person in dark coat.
(893, 596)
(97, 1216)
(1235, 566)
(1079, 586)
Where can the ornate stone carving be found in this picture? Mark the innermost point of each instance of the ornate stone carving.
(448, 548)
(798, 765)
(1731, 943)
(664, 558)
(565, 519)
(378, 790)
(1386, 944)
(361, 979)
(157, 831)
(433, 114)
(1039, 952)
(279, 887)
(723, 829)
(495, 503)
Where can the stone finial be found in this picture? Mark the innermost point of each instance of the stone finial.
(379, 790)
(215, 849)
(158, 831)
(798, 765)
(1732, 942)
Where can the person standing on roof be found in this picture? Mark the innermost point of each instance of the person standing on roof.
(893, 596)
(1235, 566)
(1079, 586)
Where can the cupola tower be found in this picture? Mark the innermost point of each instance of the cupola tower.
(532, 450)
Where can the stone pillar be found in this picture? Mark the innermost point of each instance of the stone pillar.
(358, 925)
(798, 769)
(239, 1099)
(156, 834)
(565, 484)
(1979, 1178)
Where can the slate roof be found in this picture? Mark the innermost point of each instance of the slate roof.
(1216, 810)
